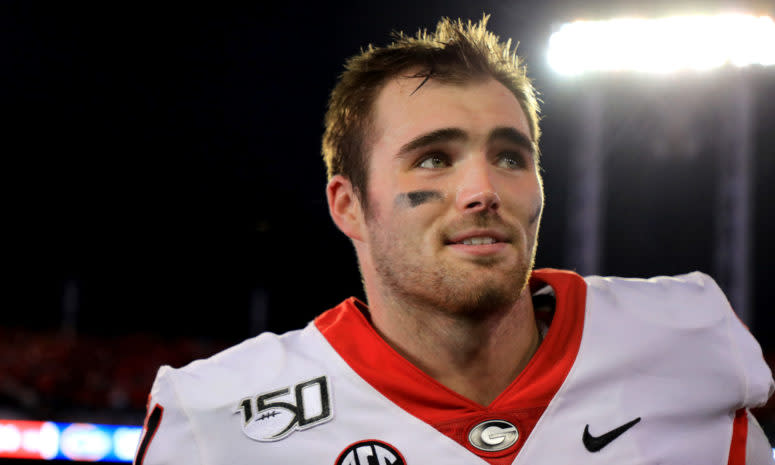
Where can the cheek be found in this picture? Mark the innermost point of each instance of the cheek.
(526, 199)
(539, 198)
(538, 207)
(417, 225)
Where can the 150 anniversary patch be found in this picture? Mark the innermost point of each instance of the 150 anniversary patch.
(274, 415)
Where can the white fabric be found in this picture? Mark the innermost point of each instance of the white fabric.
(667, 350)
(211, 390)
(758, 450)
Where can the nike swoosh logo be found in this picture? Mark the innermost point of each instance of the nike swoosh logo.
(595, 443)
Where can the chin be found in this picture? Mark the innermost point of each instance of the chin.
(478, 299)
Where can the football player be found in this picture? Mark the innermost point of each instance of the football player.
(463, 354)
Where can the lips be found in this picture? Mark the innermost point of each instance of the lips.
(478, 237)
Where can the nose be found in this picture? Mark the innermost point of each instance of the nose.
(476, 192)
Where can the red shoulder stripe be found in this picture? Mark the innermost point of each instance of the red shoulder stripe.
(739, 438)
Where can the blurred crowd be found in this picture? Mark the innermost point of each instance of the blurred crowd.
(67, 377)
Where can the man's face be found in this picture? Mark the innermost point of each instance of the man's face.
(454, 195)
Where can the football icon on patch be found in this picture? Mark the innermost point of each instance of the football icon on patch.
(271, 424)
(276, 414)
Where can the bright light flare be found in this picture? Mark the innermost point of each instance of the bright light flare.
(663, 45)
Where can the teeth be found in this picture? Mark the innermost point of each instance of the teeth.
(479, 241)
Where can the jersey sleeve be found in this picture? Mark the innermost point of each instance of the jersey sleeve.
(757, 378)
(168, 435)
(758, 450)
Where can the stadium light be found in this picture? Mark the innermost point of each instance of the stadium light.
(81, 442)
(663, 45)
(657, 47)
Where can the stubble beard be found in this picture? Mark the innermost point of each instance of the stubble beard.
(441, 285)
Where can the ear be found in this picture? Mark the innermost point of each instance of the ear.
(345, 208)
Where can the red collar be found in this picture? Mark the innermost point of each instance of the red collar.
(352, 336)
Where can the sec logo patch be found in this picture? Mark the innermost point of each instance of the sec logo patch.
(370, 452)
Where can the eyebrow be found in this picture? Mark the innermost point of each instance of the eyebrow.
(507, 133)
(512, 136)
(433, 137)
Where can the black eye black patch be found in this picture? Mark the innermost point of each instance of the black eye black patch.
(416, 198)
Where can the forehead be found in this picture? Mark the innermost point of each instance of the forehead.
(403, 110)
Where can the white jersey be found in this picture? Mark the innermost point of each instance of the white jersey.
(656, 371)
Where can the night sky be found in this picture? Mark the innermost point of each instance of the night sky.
(165, 163)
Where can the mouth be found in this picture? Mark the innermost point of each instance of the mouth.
(478, 243)
(478, 237)
(480, 240)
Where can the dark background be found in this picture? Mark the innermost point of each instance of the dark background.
(163, 169)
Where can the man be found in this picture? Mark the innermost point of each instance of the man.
(464, 354)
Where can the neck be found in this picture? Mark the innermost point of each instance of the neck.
(476, 356)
